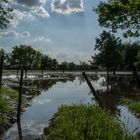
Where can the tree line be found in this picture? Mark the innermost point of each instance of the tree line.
(27, 58)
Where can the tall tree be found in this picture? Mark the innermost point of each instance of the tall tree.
(108, 57)
(131, 54)
(44, 62)
(120, 14)
(131, 58)
(25, 57)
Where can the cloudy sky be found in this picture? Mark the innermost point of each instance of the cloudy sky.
(63, 29)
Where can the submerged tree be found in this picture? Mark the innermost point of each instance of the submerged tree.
(120, 14)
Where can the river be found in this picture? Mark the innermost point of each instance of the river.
(76, 91)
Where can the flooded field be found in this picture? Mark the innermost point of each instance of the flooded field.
(75, 90)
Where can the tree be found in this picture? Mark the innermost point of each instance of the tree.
(5, 14)
(131, 55)
(108, 57)
(71, 66)
(131, 58)
(1, 66)
(25, 57)
(120, 14)
(137, 64)
(63, 66)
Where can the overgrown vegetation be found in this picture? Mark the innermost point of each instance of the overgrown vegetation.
(132, 105)
(7, 96)
(85, 122)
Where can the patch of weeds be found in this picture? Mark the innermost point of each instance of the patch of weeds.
(85, 122)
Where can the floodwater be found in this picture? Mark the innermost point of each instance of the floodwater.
(74, 91)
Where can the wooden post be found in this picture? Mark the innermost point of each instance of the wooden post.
(20, 96)
(92, 89)
(1, 69)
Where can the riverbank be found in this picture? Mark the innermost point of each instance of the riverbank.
(84, 122)
(8, 105)
(8, 101)
(134, 106)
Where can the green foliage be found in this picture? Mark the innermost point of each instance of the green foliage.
(4, 108)
(108, 55)
(7, 95)
(84, 122)
(5, 14)
(48, 63)
(12, 94)
(120, 14)
(25, 57)
(132, 105)
(131, 54)
(137, 63)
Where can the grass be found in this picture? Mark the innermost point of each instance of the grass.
(6, 97)
(12, 94)
(4, 108)
(132, 105)
(85, 122)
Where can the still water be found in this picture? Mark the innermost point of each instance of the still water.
(43, 107)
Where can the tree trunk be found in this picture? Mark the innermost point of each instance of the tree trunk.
(19, 130)
(25, 73)
(42, 72)
(20, 96)
(17, 71)
(1, 70)
(114, 71)
(135, 74)
(107, 80)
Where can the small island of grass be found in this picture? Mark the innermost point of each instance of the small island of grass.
(84, 122)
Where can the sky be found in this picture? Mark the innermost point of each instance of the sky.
(63, 29)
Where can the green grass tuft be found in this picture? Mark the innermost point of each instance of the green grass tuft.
(9, 92)
(85, 122)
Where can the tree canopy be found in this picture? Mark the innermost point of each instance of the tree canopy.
(5, 14)
(25, 57)
(108, 56)
(120, 14)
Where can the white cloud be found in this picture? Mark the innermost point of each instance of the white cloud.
(75, 57)
(42, 39)
(41, 11)
(67, 6)
(14, 34)
(19, 16)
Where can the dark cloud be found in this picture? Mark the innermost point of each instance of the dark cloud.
(31, 3)
(67, 6)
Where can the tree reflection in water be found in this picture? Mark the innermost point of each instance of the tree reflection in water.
(19, 130)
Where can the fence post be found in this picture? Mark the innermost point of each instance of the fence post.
(1, 69)
(92, 89)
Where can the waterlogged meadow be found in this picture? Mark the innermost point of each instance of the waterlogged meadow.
(78, 118)
(134, 106)
(7, 96)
